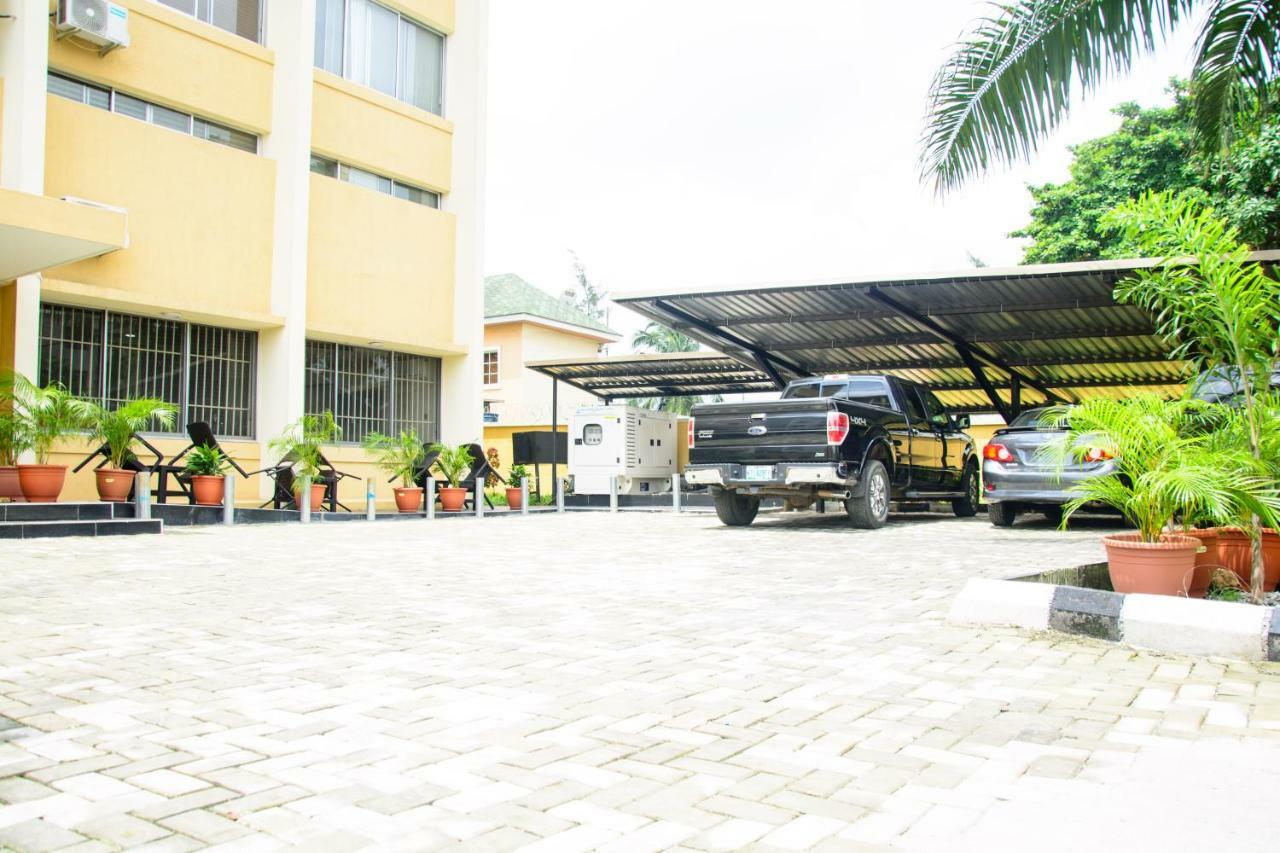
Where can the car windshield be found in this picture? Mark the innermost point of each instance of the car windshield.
(868, 389)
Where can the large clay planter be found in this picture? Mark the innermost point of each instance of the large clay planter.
(515, 498)
(1206, 562)
(452, 498)
(1235, 552)
(408, 499)
(41, 484)
(114, 484)
(317, 497)
(10, 488)
(208, 489)
(1159, 568)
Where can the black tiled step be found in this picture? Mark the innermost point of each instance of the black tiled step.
(68, 511)
(98, 527)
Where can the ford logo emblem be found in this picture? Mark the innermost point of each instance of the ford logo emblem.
(757, 430)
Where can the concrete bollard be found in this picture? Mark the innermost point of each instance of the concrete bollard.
(229, 499)
(675, 492)
(559, 487)
(524, 495)
(431, 498)
(613, 493)
(304, 500)
(370, 500)
(142, 494)
(479, 496)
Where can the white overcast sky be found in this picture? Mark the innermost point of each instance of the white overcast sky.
(694, 142)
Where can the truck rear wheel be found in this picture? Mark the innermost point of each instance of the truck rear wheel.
(967, 506)
(870, 510)
(736, 510)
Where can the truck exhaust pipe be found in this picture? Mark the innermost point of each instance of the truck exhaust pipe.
(835, 496)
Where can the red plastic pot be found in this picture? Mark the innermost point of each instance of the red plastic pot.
(208, 489)
(515, 498)
(408, 499)
(452, 498)
(1235, 552)
(1158, 568)
(10, 488)
(114, 484)
(41, 484)
(1206, 562)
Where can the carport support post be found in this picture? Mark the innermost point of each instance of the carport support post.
(370, 500)
(142, 494)
(229, 499)
(1015, 396)
(613, 493)
(555, 427)
(524, 495)
(431, 498)
(675, 492)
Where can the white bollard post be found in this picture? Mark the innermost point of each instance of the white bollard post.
(675, 492)
(524, 495)
(613, 493)
(370, 500)
(559, 487)
(479, 497)
(142, 494)
(229, 499)
(304, 500)
(431, 498)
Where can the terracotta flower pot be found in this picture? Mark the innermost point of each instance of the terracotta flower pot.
(452, 498)
(114, 484)
(408, 499)
(208, 489)
(1159, 568)
(317, 497)
(1205, 562)
(1235, 552)
(515, 498)
(10, 488)
(41, 484)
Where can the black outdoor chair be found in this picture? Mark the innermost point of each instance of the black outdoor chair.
(480, 468)
(132, 463)
(282, 473)
(201, 434)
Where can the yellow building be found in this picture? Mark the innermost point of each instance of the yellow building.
(253, 210)
(523, 323)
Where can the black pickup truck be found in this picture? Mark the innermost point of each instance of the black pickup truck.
(865, 440)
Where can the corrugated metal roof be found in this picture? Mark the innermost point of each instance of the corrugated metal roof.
(1055, 327)
(680, 374)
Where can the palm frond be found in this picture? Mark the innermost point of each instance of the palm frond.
(1237, 59)
(1009, 81)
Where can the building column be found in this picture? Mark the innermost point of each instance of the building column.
(466, 96)
(24, 60)
(282, 350)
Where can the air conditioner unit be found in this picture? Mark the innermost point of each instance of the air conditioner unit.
(98, 22)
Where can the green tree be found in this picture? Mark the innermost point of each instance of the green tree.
(656, 337)
(589, 298)
(1009, 82)
(1153, 151)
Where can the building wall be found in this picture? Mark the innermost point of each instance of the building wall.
(223, 237)
(524, 395)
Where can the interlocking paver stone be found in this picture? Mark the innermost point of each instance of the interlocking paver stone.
(630, 681)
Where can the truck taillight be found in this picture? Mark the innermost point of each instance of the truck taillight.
(997, 452)
(837, 427)
(691, 434)
(1097, 454)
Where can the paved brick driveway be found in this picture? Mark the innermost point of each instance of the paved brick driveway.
(626, 682)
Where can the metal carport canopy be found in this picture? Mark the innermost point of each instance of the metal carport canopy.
(680, 374)
(984, 339)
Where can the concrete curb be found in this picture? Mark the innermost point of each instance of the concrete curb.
(1158, 622)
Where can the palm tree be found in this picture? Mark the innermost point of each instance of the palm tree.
(1008, 83)
(656, 337)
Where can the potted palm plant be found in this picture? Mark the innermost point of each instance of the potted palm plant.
(206, 466)
(453, 463)
(1165, 468)
(300, 445)
(400, 456)
(118, 430)
(515, 495)
(11, 446)
(44, 417)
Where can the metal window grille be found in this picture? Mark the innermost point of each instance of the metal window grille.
(370, 390)
(71, 349)
(221, 379)
(242, 17)
(208, 372)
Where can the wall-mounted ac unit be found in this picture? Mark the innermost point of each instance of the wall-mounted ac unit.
(98, 22)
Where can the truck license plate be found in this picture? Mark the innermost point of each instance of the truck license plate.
(757, 472)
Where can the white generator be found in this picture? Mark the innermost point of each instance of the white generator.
(638, 446)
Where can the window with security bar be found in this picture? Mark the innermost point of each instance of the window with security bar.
(110, 358)
(373, 390)
(242, 17)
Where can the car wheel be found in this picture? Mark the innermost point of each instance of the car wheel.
(736, 510)
(967, 506)
(870, 510)
(1002, 514)
(1052, 514)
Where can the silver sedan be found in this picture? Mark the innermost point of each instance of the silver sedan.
(1017, 476)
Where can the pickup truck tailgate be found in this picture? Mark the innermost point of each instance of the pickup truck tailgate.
(771, 431)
